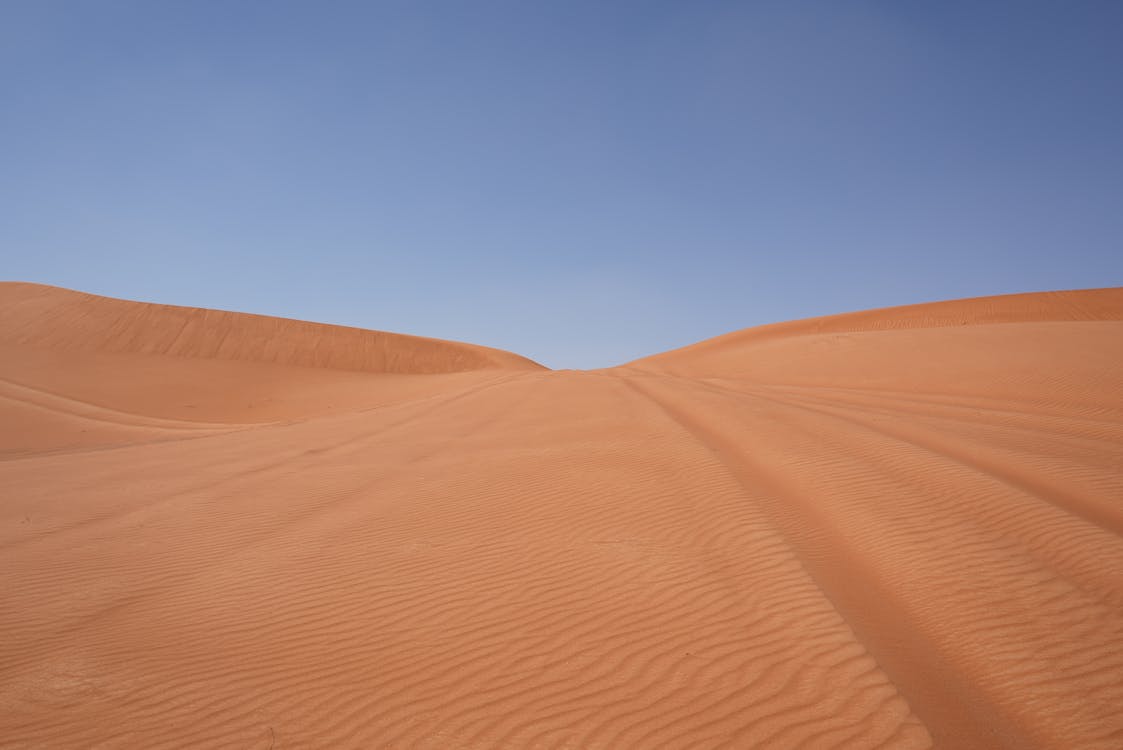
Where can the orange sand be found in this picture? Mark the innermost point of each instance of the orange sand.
(897, 528)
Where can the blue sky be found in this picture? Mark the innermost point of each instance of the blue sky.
(581, 182)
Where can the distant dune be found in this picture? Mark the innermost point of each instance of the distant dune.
(897, 528)
(729, 352)
(82, 370)
(55, 318)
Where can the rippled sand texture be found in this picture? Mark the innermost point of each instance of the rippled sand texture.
(898, 528)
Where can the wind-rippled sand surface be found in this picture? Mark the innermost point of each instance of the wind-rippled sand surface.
(898, 528)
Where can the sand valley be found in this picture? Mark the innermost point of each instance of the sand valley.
(898, 528)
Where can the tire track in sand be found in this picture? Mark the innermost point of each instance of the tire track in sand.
(942, 697)
(900, 510)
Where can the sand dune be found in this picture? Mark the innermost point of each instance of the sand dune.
(898, 528)
(61, 319)
(65, 355)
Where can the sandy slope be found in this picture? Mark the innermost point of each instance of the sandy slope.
(898, 528)
(116, 371)
(61, 319)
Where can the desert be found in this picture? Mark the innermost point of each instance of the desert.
(896, 528)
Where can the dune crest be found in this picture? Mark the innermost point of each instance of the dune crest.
(1083, 305)
(899, 528)
(55, 318)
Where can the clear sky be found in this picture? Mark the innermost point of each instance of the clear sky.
(581, 182)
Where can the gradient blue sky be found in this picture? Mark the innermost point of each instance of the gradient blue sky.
(581, 182)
